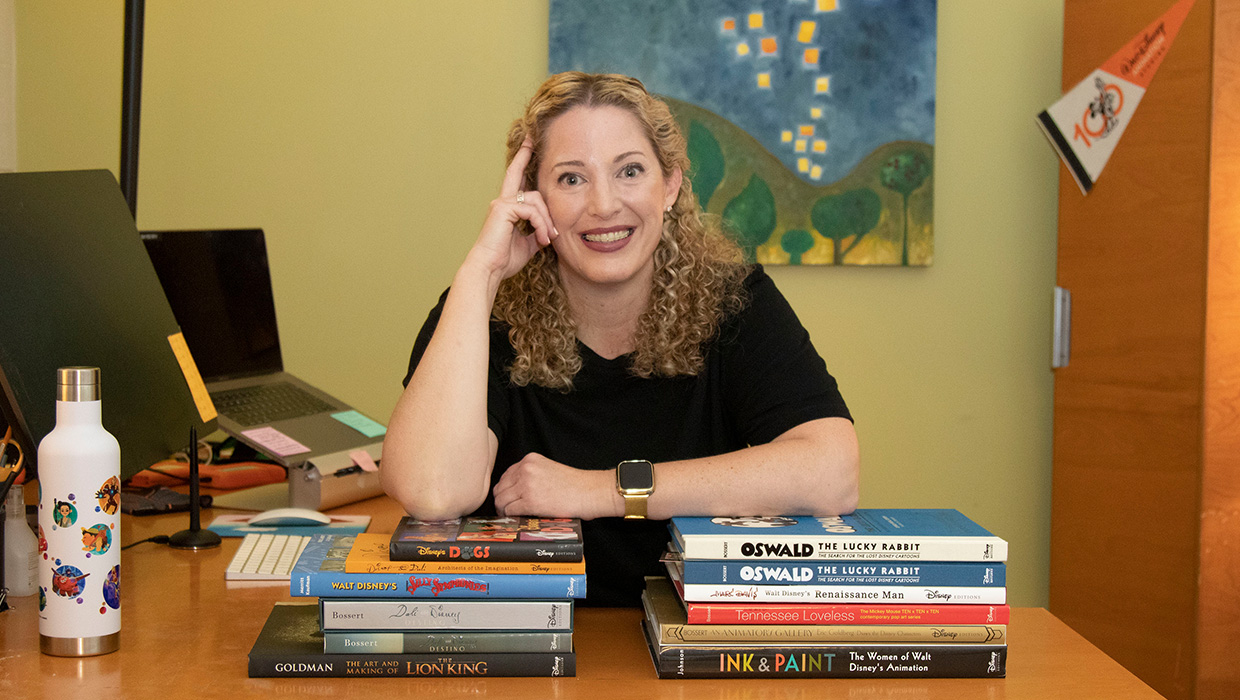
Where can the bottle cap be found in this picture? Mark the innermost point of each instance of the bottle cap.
(77, 384)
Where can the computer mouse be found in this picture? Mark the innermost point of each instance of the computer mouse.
(290, 516)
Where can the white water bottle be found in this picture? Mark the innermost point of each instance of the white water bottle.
(21, 548)
(79, 516)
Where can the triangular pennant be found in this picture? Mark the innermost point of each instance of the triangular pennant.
(1087, 122)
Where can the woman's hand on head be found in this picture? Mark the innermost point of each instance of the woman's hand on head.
(543, 487)
(501, 247)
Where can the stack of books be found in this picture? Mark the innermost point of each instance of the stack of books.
(879, 594)
(469, 597)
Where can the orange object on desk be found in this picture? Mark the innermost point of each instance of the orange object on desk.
(217, 476)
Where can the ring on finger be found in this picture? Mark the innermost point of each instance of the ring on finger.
(520, 197)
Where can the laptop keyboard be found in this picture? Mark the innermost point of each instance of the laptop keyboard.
(267, 403)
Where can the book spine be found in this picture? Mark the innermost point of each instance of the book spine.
(359, 642)
(705, 592)
(547, 551)
(386, 614)
(844, 573)
(412, 665)
(363, 566)
(858, 547)
(808, 634)
(303, 583)
(842, 661)
(844, 614)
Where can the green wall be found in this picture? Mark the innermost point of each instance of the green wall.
(366, 138)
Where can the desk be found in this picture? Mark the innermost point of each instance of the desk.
(185, 634)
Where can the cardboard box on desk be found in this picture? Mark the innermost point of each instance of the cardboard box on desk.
(336, 479)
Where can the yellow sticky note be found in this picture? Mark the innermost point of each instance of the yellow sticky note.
(197, 389)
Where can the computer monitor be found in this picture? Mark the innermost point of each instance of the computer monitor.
(77, 288)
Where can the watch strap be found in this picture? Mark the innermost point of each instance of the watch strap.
(635, 506)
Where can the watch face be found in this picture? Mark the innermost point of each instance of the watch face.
(636, 475)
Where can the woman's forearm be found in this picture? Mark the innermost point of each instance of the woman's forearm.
(810, 470)
(438, 452)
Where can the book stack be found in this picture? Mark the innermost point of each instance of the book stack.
(469, 597)
(879, 594)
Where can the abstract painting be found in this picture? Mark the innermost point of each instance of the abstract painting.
(810, 122)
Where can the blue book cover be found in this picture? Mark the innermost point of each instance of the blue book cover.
(932, 534)
(320, 571)
(842, 573)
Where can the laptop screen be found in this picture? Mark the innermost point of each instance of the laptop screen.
(219, 287)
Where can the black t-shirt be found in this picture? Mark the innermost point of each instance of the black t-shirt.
(762, 377)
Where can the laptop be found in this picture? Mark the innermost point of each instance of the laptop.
(219, 287)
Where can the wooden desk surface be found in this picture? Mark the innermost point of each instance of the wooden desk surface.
(185, 633)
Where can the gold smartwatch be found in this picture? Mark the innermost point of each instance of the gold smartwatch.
(635, 482)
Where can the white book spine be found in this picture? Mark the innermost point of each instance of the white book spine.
(897, 595)
(385, 614)
(992, 549)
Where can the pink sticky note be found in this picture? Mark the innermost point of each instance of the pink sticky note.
(275, 441)
(362, 459)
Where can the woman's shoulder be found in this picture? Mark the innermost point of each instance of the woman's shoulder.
(756, 277)
(764, 309)
(759, 289)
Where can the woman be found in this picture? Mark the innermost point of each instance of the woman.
(597, 320)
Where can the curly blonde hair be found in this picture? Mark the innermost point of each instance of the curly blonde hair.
(698, 271)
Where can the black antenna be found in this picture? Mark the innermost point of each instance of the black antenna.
(131, 101)
(195, 537)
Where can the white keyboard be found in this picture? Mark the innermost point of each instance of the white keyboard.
(265, 557)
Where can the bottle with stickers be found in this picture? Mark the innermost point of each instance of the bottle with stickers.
(79, 516)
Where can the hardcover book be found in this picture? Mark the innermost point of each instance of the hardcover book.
(834, 573)
(867, 534)
(320, 571)
(842, 660)
(488, 539)
(419, 642)
(812, 593)
(387, 614)
(370, 555)
(291, 646)
(670, 625)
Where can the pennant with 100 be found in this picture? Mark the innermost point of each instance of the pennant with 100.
(1085, 124)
